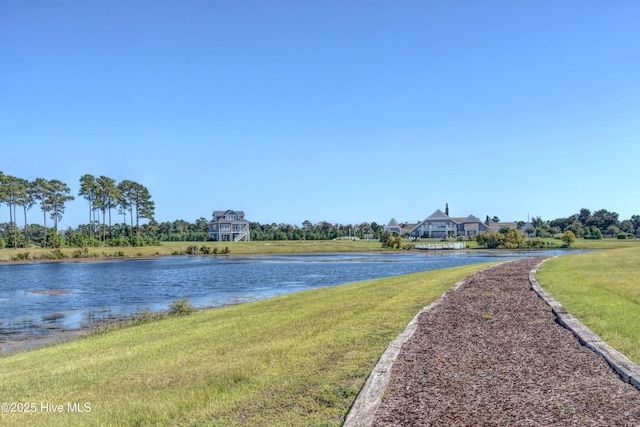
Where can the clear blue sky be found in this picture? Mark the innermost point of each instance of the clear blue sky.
(344, 111)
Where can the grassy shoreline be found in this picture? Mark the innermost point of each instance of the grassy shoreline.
(297, 359)
(9, 255)
(36, 254)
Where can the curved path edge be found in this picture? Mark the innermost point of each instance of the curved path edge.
(628, 371)
(364, 408)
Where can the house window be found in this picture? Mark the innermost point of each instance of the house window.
(225, 227)
(233, 216)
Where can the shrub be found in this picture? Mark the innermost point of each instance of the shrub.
(623, 236)
(147, 315)
(391, 241)
(593, 234)
(491, 240)
(54, 254)
(568, 238)
(181, 307)
(119, 241)
(23, 256)
(533, 243)
(80, 253)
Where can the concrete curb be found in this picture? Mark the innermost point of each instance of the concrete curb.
(628, 371)
(364, 408)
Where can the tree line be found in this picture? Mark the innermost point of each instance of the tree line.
(323, 230)
(107, 198)
(132, 201)
(585, 224)
(589, 225)
(104, 196)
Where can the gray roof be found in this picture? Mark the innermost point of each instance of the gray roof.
(219, 217)
(393, 223)
(228, 211)
(470, 218)
(438, 214)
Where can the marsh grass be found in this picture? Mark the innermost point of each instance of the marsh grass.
(602, 290)
(184, 248)
(292, 360)
(254, 247)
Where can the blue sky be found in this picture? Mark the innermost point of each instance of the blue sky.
(339, 111)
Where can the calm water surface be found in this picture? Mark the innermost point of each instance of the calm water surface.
(43, 299)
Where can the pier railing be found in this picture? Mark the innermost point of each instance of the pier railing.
(440, 246)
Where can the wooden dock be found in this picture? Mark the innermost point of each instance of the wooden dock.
(440, 246)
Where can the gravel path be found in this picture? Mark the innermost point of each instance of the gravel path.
(491, 354)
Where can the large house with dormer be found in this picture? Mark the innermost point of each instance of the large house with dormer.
(439, 225)
(229, 226)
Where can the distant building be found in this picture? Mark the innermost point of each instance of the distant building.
(229, 226)
(497, 226)
(439, 225)
(528, 229)
(401, 229)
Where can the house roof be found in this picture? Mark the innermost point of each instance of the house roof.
(221, 217)
(438, 214)
(228, 211)
(470, 218)
(393, 223)
(409, 227)
(527, 226)
(497, 226)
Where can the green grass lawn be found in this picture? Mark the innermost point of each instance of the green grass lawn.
(293, 360)
(604, 244)
(602, 290)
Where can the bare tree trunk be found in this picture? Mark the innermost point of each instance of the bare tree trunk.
(45, 229)
(26, 233)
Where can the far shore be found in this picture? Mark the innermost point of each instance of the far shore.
(106, 253)
(101, 253)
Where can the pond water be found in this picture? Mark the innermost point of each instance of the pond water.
(42, 300)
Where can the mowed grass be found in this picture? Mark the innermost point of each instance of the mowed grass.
(602, 290)
(293, 360)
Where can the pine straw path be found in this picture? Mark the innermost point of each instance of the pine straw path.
(491, 354)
